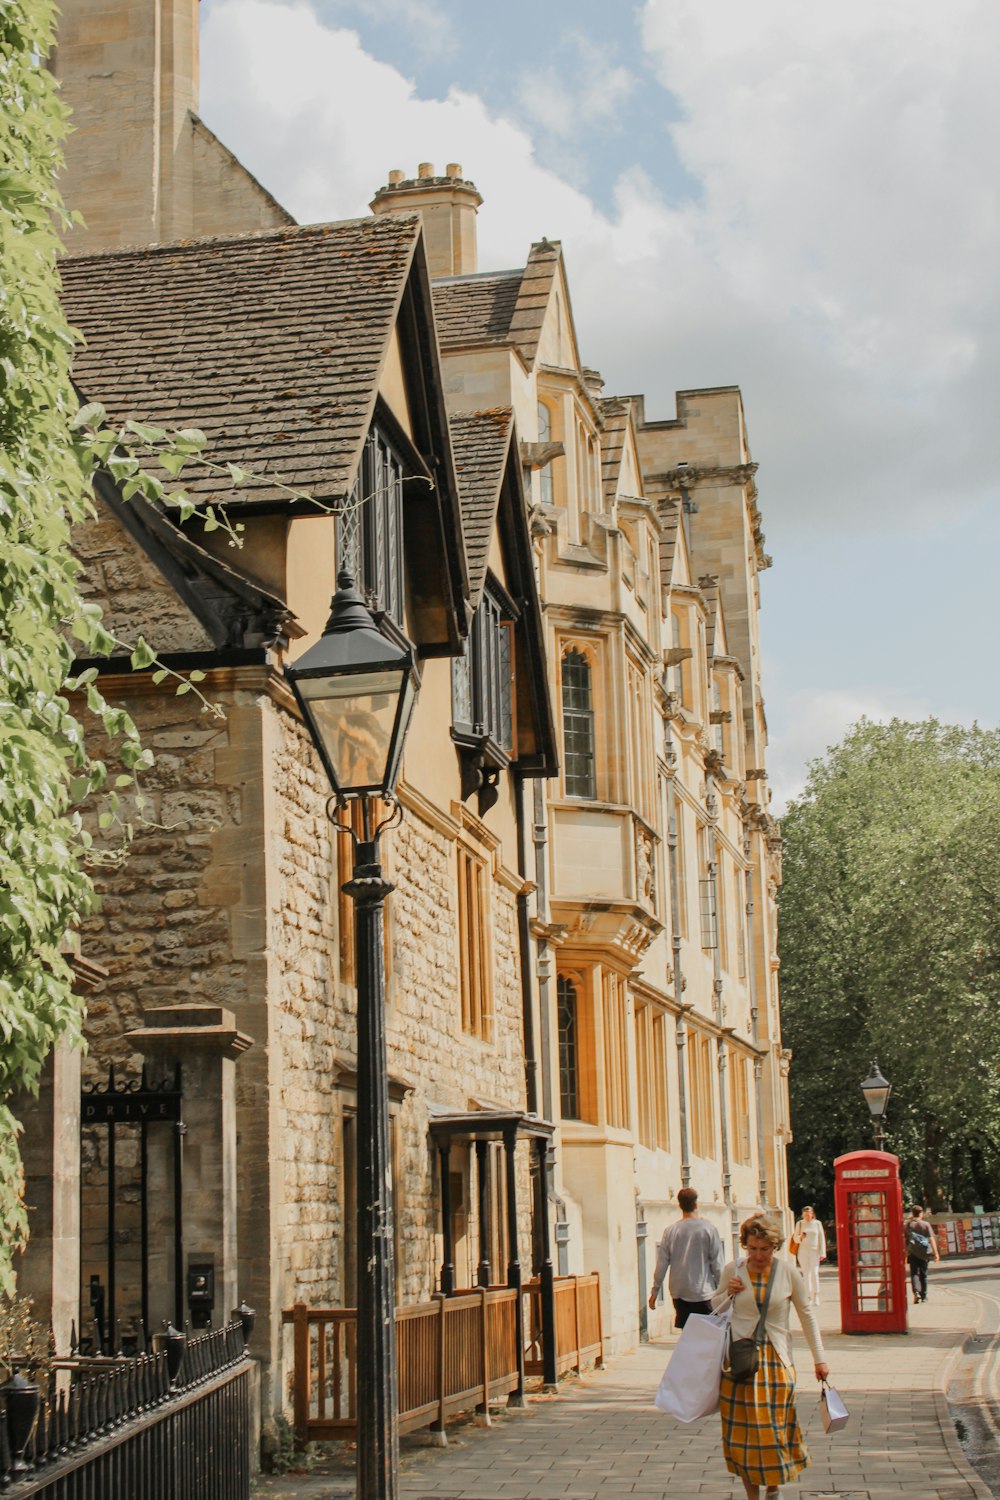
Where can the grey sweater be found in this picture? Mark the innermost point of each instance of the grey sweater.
(692, 1250)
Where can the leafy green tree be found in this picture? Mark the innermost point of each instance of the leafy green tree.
(45, 470)
(889, 937)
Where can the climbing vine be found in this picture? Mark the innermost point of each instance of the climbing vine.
(46, 772)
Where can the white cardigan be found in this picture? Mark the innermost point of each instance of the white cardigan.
(789, 1287)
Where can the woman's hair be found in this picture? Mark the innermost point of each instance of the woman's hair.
(808, 1208)
(762, 1227)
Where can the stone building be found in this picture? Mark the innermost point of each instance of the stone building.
(310, 354)
(591, 950)
(657, 859)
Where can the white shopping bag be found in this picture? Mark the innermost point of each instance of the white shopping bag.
(690, 1385)
(832, 1409)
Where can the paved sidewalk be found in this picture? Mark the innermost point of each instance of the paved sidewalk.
(601, 1438)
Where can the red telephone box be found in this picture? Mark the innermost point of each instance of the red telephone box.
(871, 1263)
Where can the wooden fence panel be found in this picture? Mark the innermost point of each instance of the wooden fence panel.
(579, 1336)
(452, 1354)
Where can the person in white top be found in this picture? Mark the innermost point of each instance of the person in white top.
(812, 1249)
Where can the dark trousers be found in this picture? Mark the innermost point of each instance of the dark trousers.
(918, 1277)
(683, 1310)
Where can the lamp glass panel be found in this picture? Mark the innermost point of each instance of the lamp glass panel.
(877, 1098)
(354, 717)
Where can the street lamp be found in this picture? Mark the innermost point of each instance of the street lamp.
(356, 688)
(876, 1091)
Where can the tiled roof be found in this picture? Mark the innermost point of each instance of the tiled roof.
(533, 298)
(502, 307)
(271, 343)
(480, 442)
(669, 512)
(709, 585)
(475, 309)
(614, 411)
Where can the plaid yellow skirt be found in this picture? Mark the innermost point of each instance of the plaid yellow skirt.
(761, 1439)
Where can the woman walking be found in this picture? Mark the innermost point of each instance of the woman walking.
(812, 1249)
(761, 1439)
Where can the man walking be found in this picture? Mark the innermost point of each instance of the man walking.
(692, 1250)
(921, 1244)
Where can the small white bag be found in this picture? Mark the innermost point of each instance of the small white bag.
(690, 1385)
(832, 1409)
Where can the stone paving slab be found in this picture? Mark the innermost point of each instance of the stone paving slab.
(600, 1438)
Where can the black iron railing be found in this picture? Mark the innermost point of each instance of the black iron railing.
(166, 1425)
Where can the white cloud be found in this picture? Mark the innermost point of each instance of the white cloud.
(587, 90)
(838, 263)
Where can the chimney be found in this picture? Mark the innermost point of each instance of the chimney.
(447, 206)
(128, 69)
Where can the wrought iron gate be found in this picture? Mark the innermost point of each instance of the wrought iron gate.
(143, 1104)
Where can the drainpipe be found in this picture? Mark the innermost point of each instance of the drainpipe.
(680, 1030)
(754, 1022)
(641, 1232)
(720, 1045)
(524, 949)
(543, 970)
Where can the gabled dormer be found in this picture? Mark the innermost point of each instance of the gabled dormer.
(308, 357)
(501, 713)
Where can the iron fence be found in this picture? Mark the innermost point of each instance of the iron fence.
(172, 1424)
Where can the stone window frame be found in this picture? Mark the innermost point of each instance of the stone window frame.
(739, 1107)
(652, 1103)
(614, 1038)
(591, 649)
(641, 759)
(581, 980)
(701, 1100)
(551, 481)
(473, 906)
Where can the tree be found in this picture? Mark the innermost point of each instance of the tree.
(889, 937)
(46, 465)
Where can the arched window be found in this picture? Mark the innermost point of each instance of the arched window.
(569, 1048)
(545, 436)
(578, 726)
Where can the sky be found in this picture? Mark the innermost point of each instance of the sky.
(801, 200)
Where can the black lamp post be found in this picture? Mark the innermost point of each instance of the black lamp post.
(356, 689)
(876, 1091)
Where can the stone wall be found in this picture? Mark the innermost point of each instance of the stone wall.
(131, 591)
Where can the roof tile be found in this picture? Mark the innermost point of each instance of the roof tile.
(272, 343)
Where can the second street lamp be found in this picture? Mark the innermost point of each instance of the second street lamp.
(876, 1091)
(356, 688)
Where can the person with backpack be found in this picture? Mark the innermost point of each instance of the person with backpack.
(921, 1244)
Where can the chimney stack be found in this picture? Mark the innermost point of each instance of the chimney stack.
(448, 208)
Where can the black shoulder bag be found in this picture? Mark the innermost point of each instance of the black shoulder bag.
(744, 1354)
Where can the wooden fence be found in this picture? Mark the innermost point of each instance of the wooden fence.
(453, 1353)
(579, 1337)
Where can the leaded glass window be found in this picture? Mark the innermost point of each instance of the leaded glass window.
(569, 1048)
(370, 527)
(481, 679)
(578, 726)
(545, 436)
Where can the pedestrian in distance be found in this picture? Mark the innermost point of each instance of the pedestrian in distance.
(761, 1438)
(921, 1244)
(692, 1251)
(811, 1252)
